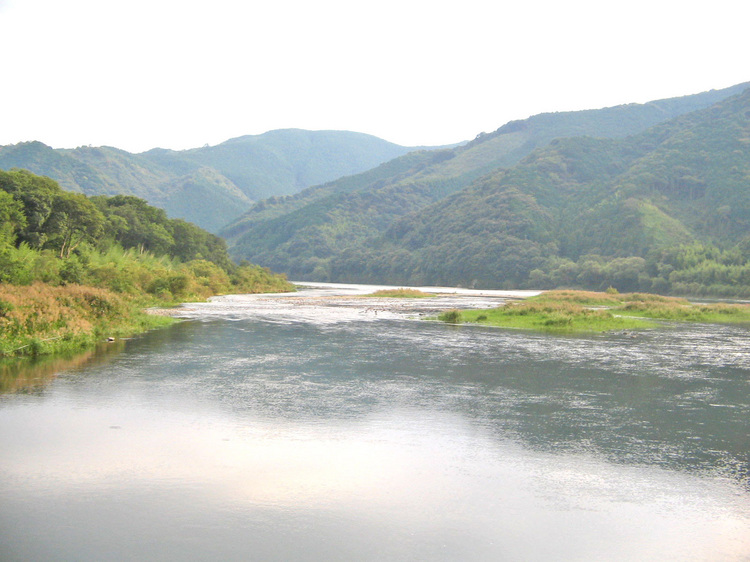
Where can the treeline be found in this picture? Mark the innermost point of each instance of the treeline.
(693, 269)
(690, 269)
(119, 243)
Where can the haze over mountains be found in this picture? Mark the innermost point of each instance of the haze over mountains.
(651, 212)
(211, 185)
(367, 227)
(648, 196)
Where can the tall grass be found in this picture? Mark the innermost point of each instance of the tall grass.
(50, 304)
(40, 318)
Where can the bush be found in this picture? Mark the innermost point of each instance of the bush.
(451, 316)
(72, 270)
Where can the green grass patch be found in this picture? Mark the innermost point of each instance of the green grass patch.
(453, 316)
(584, 298)
(562, 317)
(586, 311)
(719, 313)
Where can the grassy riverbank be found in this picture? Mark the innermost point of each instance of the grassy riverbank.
(584, 311)
(44, 319)
(77, 269)
(41, 319)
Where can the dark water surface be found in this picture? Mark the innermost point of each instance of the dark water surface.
(268, 429)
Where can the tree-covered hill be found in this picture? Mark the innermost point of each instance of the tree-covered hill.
(56, 236)
(212, 185)
(667, 210)
(304, 234)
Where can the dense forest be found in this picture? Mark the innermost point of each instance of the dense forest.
(429, 217)
(72, 266)
(667, 211)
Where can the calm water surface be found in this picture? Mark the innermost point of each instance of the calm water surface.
(310, 427)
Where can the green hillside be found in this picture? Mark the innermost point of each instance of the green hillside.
(306, 234)
(665, 210)
(212, 185)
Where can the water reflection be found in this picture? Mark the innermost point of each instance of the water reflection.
(32, 374)
(241, 435)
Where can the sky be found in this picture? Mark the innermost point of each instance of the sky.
(185, 73)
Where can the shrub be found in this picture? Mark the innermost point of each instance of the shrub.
(452, 316)
(72, 270)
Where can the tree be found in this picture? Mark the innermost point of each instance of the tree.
(12, 219)
(36, 194)
(133, 223)
(74, 219)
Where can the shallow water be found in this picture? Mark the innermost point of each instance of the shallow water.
(313, 427)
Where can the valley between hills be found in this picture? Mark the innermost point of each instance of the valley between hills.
(648, 197)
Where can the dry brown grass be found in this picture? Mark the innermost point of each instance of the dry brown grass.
(41, 318)
(401, 293)
(46, 311)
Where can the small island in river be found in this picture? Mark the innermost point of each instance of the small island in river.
(585, 311)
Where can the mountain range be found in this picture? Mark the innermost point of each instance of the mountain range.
(456, 216)
(210, 185)
(654, 211)
(652, 197)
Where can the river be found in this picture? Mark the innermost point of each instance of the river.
(324, 426)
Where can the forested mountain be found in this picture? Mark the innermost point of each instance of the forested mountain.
(212, 185)
(309, 235)
(665, 210)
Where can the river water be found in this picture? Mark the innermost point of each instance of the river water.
(322, 426)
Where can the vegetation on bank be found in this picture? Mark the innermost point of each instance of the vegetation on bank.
(40, 319)
(401, 293)
(75, 269)
(585, 311)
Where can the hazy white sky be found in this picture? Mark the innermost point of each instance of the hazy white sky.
(183, 73)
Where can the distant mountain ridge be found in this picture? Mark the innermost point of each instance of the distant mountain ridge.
(211, 185)
(308, 234)
(665, 210)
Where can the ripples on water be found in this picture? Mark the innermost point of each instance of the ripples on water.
(277, 428)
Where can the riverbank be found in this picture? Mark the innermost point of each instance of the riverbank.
(42, 319)
(586, 311)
